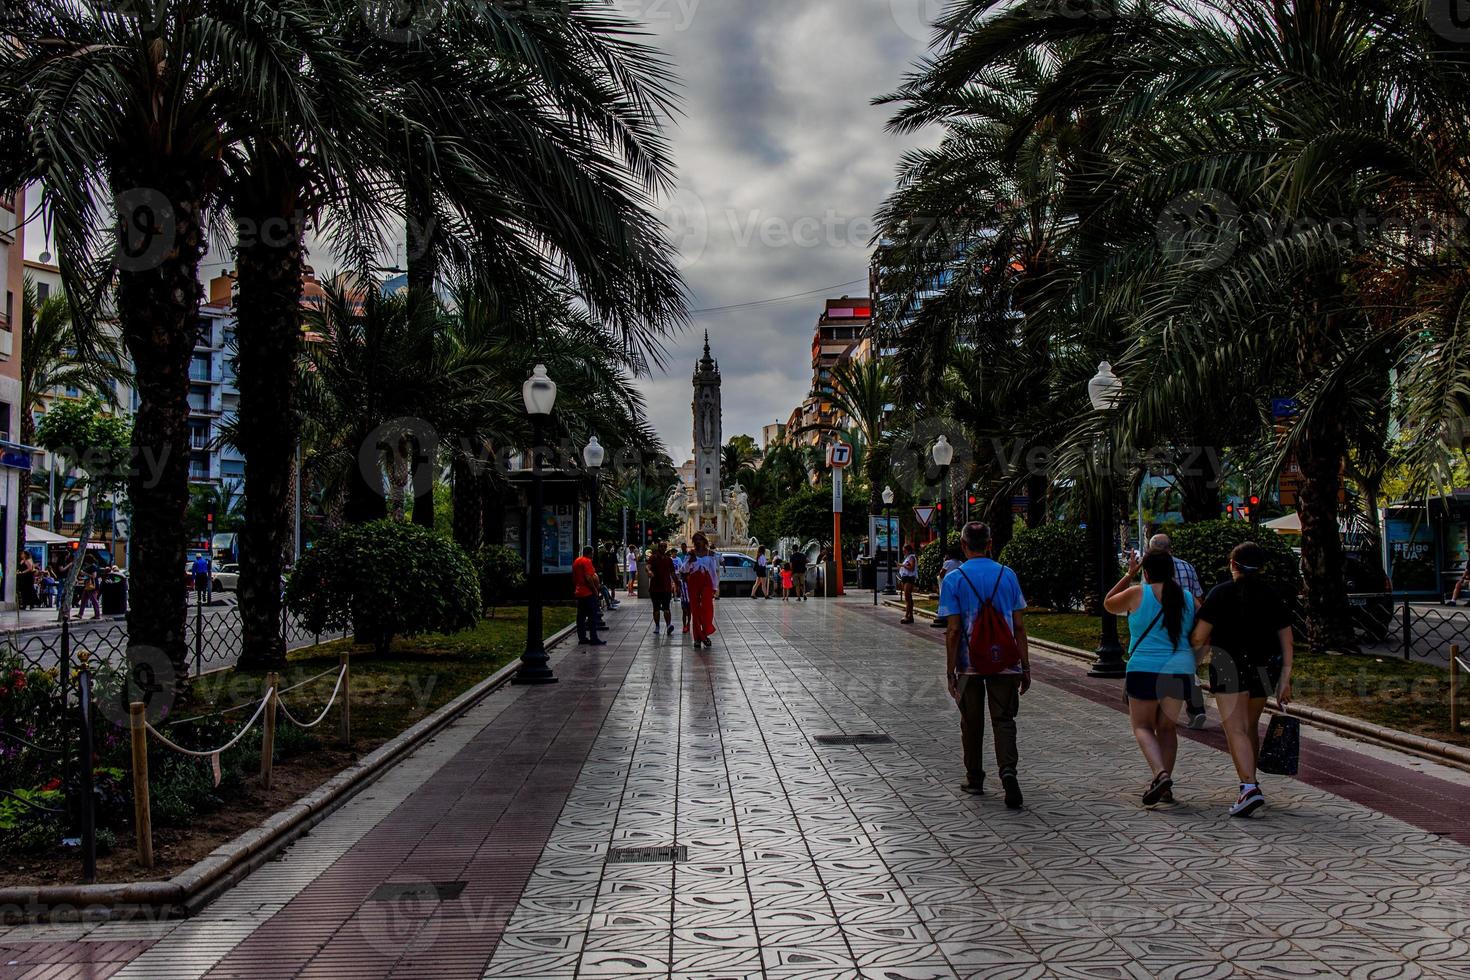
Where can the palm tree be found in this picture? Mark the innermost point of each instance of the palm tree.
(53, 356)
(131, 127)
(863, 391)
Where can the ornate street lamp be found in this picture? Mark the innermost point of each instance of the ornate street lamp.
(888, 588)
(1104, 391)
(943, 454)
(539, 395)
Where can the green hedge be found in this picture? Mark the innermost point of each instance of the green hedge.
(1207, 545)
(385, 579)
(1051, 563)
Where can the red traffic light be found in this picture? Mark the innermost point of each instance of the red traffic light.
(939, 506)
(974, 500)
(1230, 508)
(1255, 500)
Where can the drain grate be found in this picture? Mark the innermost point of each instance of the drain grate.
(648, 855)
(431, 891)
(853, 739)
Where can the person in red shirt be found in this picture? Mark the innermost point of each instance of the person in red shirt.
(586, 587)
(661, 585)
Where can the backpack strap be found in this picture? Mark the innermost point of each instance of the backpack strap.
(1144, 635)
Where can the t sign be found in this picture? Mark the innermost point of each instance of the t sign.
(839, 455)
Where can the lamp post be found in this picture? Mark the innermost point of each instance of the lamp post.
(539, 395)
(888, 588)
(593, 456)
(1103, 391)
(943, 454)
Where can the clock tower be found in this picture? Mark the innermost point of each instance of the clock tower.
(707, 441)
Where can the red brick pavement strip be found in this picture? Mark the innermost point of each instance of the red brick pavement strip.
(484, 819)
(67, 960)
(1419, 799)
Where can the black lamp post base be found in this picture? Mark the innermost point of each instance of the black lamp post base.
(1109, 663)
(534, 669)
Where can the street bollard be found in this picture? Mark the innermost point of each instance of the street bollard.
(89, 800)
(142, 812)
(268, 735)
(344, 720)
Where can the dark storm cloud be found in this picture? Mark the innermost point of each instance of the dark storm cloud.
(782, 162)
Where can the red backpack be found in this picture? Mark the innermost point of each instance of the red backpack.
(992, 646)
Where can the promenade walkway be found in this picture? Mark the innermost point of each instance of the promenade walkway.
(487, 853)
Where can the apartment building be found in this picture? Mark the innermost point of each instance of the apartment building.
(15, 459)
(839, 337)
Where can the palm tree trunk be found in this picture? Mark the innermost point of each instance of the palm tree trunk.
(1320, 454)
(268, 309)
(364, 501)
(1199, 495)
(469, 518)
(423, 503)
(158, 312)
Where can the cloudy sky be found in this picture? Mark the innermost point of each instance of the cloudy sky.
(782, 162)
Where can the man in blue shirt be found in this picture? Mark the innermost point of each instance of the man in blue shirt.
(202, 577)
(961, 597)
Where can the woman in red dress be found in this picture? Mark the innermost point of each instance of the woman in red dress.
(702, 574)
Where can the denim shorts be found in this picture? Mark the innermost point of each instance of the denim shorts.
(1241, 675)
(1145, 685)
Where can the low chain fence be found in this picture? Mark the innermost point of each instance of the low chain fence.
(70, 707)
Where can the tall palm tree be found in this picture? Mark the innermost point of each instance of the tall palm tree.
(53, 355)
(130, 126)
(863, 391)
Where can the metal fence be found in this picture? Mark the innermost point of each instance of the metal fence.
(1389, 626)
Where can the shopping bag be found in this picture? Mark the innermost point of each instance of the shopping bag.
(1281, 752)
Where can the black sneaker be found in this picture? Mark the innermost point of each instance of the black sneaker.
(1013, 790)
(973, 787)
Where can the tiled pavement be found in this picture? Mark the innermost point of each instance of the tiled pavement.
(819, 861)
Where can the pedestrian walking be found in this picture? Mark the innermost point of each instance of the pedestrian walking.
(987, 657)
(202, 577)
(25, 580)
(761, 574)
(1246, 628)
(586, 587)
(1460, 584)
(91, 592)
(607, 575)
(1188, 579)
(798, 574)
(702, 574)
(630, 565)
(50, 586)
(686, 558)
(661, 585)
(1160, 662)
(908, 576)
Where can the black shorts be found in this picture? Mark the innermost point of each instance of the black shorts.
(662, 601)
(1231, 674)
(1145, 685)
(760, 572)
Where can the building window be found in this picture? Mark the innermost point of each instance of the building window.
(38, 510)
(69, 512)
(5, 421)
(43, 291)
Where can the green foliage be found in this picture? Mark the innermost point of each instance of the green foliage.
(385, 579)
(97, 443)
(807, 515)
(1051, 563)
(502, 573)
(1207, 545)
(931, 559)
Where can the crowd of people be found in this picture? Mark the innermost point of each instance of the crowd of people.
(1240, 626)
(39, 586)
(692, 574)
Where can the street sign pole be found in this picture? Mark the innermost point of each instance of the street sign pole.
(837, 528)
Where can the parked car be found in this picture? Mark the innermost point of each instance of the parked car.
(737, 574)
(227, 578)
(1370, 594)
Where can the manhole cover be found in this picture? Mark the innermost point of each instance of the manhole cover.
(648, 855)
(853, 740)
(431, 891)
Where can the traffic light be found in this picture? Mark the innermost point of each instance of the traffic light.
(209, 523)
(1254, 510)
(1229, 510)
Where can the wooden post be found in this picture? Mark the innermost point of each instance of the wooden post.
(1455, 689)
(344, 719)
(268, 734)
(142, 812)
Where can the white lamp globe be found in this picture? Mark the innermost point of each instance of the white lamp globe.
(888, 496)
(1105, 388)
(594, 454)
(943, 452)
(539, 392)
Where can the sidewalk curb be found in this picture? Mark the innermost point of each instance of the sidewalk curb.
(1348, 727)
(196, 886)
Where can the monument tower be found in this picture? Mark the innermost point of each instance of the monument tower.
(707, 440)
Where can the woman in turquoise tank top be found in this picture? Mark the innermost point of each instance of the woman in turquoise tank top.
(1160, 662)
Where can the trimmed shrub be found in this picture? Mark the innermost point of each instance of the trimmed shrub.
(502, 574)
(1207, 545)
(931, 559)
(1051, 563)
(385, 579)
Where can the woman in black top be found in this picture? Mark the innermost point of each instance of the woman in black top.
(1247, 629)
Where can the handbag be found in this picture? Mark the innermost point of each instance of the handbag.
(1281, 752)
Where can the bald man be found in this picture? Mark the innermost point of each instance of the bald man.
(1188, 579)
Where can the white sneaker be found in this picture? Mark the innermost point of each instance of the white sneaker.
(1250, 801)
(1196, 722)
